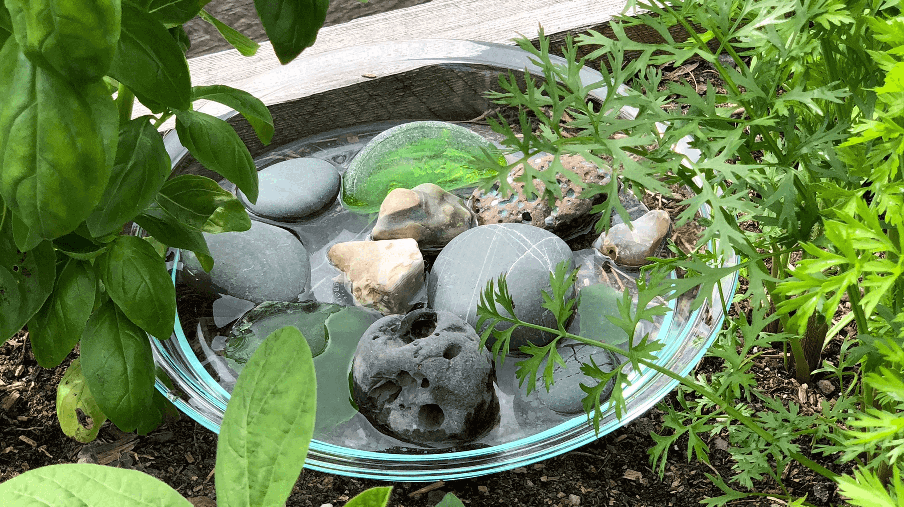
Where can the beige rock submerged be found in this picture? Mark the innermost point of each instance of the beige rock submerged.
(426, 213)
(629, 247)
(384, 275)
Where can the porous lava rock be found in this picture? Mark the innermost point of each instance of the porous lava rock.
(426, 213)
(423, 378)
(568, 217)
(523, 253)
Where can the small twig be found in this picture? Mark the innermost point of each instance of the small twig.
(427, 489)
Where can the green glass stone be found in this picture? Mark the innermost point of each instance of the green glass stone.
(332, 332)
(408, 155)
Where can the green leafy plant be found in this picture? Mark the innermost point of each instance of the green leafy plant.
(76, 168)
(800, 162)
(263, 441)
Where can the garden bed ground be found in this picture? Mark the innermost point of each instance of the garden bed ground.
(612, 471)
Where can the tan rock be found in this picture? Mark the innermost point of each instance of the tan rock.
(570, 215)
(384, 275)
(426, 213)
(632, 247)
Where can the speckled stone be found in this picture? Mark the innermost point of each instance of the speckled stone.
(524, 253)
(423, 378)
(569, 217)
(631, 248)
(426, 213)
(294, 189)
(264, 263)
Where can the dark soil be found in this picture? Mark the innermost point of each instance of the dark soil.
(612, 471)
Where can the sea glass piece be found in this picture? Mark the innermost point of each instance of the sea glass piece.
(332, 333)
(408, 155)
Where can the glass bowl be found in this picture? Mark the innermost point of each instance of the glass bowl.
(328, 106)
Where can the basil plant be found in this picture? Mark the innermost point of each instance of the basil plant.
(75, 168)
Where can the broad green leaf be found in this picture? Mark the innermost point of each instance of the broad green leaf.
(25, 237)
(171, 232)
(88, 485)
(79, 247)
(6, 25)
(141, 166)
(77, 37)
(373, 497)
(58, 326)
(170, 12)
(73, 396)
(291, 25)
(244, 45)
(106, 116)
(150, 62)
(450, 500)
(217, 147)
(181, 38)
(26, 280)
(268, 423)
(51, 144)
(118, 365)
(201, 204)
(136, 279)
(248, 105)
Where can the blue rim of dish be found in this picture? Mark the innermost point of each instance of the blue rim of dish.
(682, 352)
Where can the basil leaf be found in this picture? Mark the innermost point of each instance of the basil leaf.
(6, 24)
(76, 37)
(181, 38)
(79, 247)
(26, 280)
(24, 236)
(248, 105)
(291, 25)
(201, 204)
(103, 108)
(140, 169)
(118, 364)
(239, 41)
(59, 324)
(90, 486)
(150, 62)
(450, 500)
(136, 279)
(170, 231)
(217, 147)
(268, 423)
(51, 145)
(373, 497)
(170, 12)
(73, 395)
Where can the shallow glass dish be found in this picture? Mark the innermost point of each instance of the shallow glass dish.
(335, 103)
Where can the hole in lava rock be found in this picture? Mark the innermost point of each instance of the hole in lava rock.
(422, 324)
(452, 350)
(430, 416)
(526, 216)
(385, 393)
(425, 383)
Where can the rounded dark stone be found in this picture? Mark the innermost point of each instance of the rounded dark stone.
(294, 189)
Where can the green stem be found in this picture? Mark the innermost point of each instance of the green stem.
(854, 295)
(125, 99)
(160, 121)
